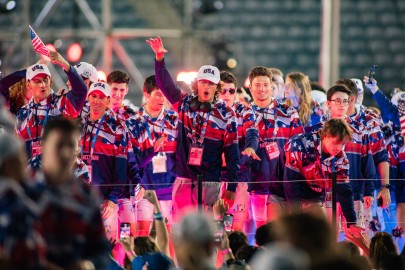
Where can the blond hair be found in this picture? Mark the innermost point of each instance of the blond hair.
(301, 82)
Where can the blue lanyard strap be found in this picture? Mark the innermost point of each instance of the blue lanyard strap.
(36, 120)
(93, 142)
(162, 128)
(200, 140)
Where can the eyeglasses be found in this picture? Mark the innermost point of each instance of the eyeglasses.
(230, 90)
(340, 102)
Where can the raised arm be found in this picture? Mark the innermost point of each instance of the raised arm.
(162, 236)
(389, 112)
(77, 96)
(163, 79)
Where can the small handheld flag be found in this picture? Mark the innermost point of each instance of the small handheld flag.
(39, 46)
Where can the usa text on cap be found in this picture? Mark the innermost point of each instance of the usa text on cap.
(35, 70)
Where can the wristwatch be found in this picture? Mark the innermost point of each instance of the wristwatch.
(387, 186)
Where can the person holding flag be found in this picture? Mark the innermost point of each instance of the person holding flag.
(45, 104)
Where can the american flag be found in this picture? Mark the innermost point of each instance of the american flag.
(39, 46)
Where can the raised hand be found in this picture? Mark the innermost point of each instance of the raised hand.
(157, 46)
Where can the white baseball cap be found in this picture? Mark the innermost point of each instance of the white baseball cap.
(398, 96)
(87, 70)
(318, 96)
(37, 69)
(209, 73)
(100, 86)
(359, 85)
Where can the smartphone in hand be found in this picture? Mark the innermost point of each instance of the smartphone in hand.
(371, 73)
(228, 221)
(125, 230)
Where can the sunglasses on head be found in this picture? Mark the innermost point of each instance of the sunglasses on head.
(230, 90)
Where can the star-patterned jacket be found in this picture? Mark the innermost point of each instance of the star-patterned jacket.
(275, 124)
(308, 173)
(108, 138)
(32, 117)
(220, 133)
(146, 131)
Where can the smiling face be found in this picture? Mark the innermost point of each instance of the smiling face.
(40, 86)
(261, 89)
(98, 104)
(118, 93)
(206, 90)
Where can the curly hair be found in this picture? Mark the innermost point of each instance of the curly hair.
(17, 96)
(302, 89)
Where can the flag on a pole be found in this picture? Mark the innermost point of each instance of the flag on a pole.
(39, 46)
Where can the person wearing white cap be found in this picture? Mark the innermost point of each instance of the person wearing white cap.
(360, 90)
(88, 73)
(206, 129)
(45, 104)
(104, 149)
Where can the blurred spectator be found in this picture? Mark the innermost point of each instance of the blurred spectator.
(382, 248)
(6, 119)
(280, 256)
(265, 234)
(21, 246)
(308, 232)
(334, 262)
(69, 216)
(143, 250)
(246, 253)
(194, 243)
(237, 239)
(348, 248)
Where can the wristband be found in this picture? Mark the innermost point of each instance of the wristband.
(158, 216)
(131, 253)
(226, 251)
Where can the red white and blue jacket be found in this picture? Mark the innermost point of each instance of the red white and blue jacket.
(394, 140)
(221, 133)
(362, 168)
(124, 114)
(32, 117)
(276, 123)
(373, 124)
(146, 131)
(305, 161)
(108, 166)
(80, 170)
(248, 136)
(20, 241)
